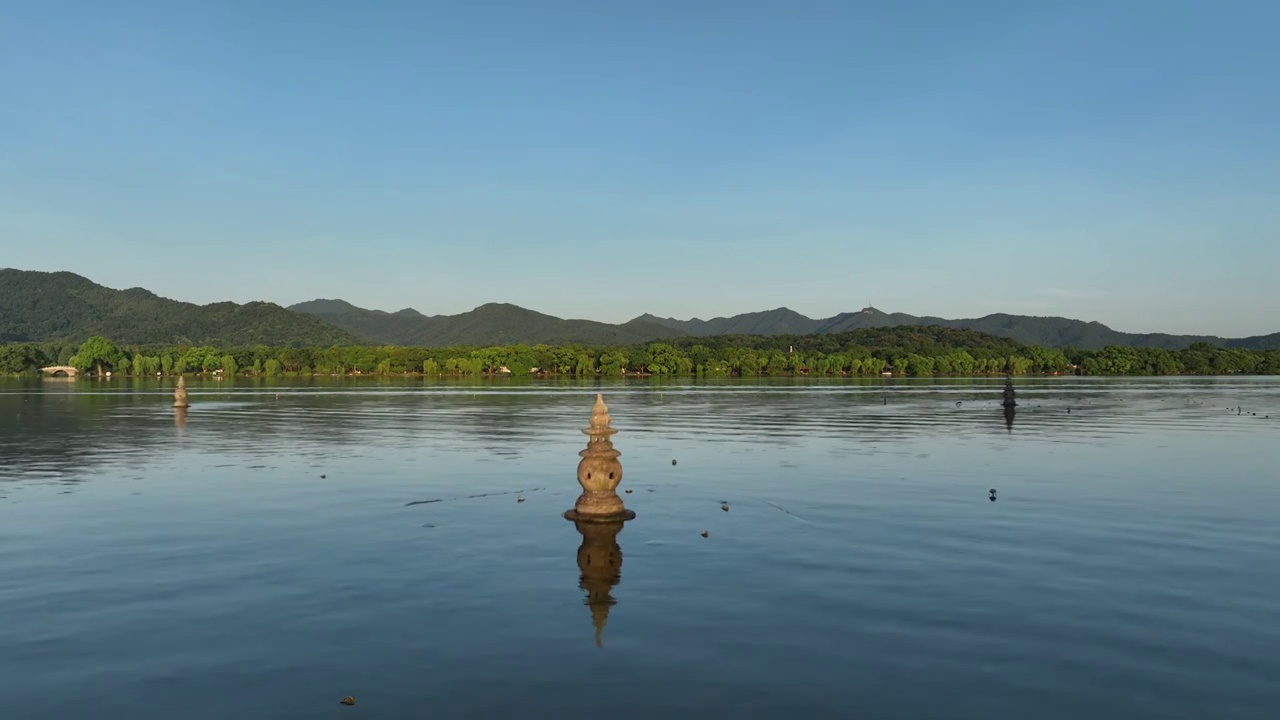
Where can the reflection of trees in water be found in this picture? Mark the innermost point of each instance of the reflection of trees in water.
(55, 429)
(68, 427)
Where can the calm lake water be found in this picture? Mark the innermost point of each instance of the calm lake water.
(261, 559)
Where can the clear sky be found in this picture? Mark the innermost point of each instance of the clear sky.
(1112, 160)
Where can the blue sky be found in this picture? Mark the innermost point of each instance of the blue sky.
(1116, 161)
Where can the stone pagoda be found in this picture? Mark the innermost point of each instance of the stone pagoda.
(180, 394)
(599, 473)
(1009, 398)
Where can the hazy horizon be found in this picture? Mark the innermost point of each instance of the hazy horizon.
(1090, 160)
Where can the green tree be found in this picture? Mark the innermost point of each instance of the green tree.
(24, 358)
(98, 354)
(920, 366)
(613, 363)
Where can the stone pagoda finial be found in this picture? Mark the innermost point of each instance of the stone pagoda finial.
(600, 418)
(180, 394)
(599, 472)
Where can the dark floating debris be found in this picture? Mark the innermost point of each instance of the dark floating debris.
(472, 497)
(725, 507)
(520, 499)
(778, 507)
(704, 533)
(627, 491)
(348, 700)
(322, 477)
(992, 494)
(673, 462)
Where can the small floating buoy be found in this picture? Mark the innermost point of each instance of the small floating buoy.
(673, 462)
(704, 533)
(323, 477)
(348, 700)
(992, 494)
(627, 491)
(519, 498)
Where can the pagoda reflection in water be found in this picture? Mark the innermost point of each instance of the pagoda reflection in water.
(600, 569)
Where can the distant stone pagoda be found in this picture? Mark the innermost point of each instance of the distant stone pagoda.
(1010, 399)
(180, 394)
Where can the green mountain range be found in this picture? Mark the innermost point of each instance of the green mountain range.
(62, 306)
(1027, 329)
(506, 324)
(491, 324)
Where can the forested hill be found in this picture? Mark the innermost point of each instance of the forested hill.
(63, 306)
(1031, 330)
(491, 324)
(48, 307)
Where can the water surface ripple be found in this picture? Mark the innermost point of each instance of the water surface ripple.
(260, 557)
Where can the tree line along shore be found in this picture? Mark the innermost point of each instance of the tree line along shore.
(900, 351)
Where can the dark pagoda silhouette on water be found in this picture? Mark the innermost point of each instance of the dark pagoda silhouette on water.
(1009, 402)
(598, 516)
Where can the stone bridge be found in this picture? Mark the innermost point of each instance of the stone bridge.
(59, 371)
